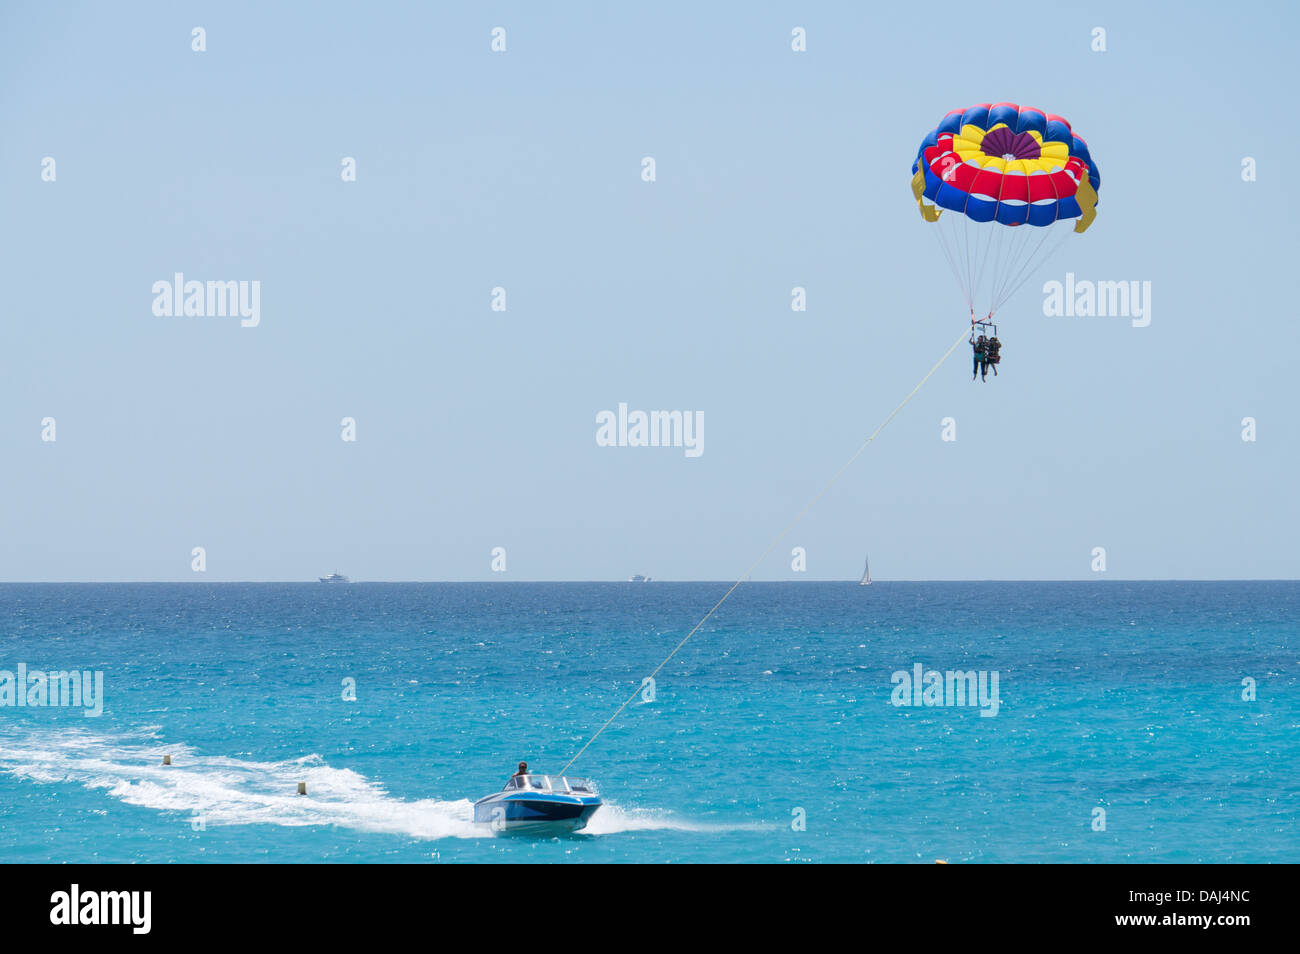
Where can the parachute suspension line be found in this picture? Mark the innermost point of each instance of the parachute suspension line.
(994, 239)
(940, 231)
(960, 245)
(997, 241)
(1021, 239)
(970, 265)
(1012, 250)
(1065, 229)
(961, 239)
(772, 546)
(1014, 254)
(992, 259)
(1026, 271)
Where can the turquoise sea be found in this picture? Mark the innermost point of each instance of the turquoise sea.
(772, 736)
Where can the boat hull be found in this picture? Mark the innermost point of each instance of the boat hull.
(539, 812)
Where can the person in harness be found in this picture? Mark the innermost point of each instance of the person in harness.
(980, 346)
(994, 353)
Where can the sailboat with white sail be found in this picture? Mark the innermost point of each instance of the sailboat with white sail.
(866, 574)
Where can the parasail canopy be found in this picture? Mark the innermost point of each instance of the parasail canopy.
(986, 171)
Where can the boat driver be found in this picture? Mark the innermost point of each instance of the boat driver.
(523, 770)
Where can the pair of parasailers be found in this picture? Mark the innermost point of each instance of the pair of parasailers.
(988, 352)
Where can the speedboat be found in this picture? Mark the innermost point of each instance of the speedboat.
(539, 803)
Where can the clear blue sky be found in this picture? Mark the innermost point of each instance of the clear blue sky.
(476, 429)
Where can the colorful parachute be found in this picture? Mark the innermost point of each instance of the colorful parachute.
(994, 167)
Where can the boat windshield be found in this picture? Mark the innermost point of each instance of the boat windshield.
(551, 783)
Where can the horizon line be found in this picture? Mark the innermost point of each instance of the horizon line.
(722, 582)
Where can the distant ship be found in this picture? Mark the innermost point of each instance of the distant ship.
(335, 578)
(638, 578)
(866, 574)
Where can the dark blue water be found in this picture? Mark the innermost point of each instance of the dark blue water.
(772, 736)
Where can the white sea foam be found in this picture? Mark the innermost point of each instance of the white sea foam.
(231, 791)
(612, 819)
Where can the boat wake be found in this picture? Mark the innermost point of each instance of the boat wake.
(230, 791)
(612, 819)
(221, 790)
